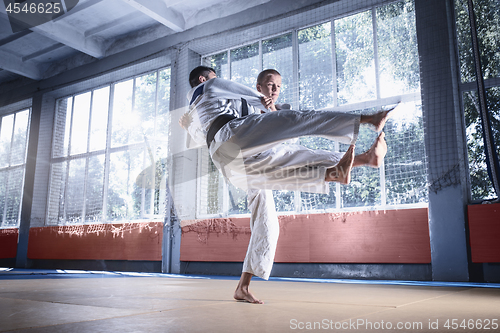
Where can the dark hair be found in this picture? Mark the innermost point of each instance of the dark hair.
(195, 74)
(265, 73)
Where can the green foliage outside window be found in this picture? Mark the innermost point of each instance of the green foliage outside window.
(488, 20)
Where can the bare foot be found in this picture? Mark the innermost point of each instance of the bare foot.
(374, 156)
(377, 152)
(379, 119)
(341, 173)
(242, 294)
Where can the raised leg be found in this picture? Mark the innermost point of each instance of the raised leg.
(341, 173)
(374, 156)
(379, 119)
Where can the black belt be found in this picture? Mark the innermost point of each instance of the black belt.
(222, 120)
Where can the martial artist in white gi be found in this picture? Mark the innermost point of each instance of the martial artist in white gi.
(264, 224)
(249, 152)
(248, 149)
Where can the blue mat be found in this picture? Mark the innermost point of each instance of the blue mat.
(17, 273)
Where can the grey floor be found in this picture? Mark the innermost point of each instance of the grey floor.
(47, 302)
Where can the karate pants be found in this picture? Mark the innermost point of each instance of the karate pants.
(265, 231)
(250, 154)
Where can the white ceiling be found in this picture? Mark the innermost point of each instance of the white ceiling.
(95, 29)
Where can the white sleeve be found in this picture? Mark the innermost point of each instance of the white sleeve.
(225, 89)
(285, 106)
(195, 137)
(193, 142)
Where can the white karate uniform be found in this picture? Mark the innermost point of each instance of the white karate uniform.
(264, 224)
(248, 150)
(250, 153)
(265, 229)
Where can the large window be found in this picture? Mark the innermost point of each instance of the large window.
(13, 142)
(356, 63)
(109, 151)
(488, 20)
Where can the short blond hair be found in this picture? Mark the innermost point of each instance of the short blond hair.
(266, 73)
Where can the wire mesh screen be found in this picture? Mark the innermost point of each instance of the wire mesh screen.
(358, 62)
(211, 186)
(481, 184)
(488, 14)
(110, 152)
(13, 146)
(405, 164)
(277, 53)
(245, 64)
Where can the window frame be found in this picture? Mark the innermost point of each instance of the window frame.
(470, 85)
(377, 102)
(10, 167)
(109, 149)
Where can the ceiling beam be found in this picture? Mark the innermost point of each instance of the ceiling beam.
(14, 64)
(67, 35)
(156, 9)
(111, 24)
(79, 7)
(14, 37)
(42, 52)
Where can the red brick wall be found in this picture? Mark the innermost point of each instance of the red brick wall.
(8, 243)
(392, 236)
(484, 227)
(128, 241)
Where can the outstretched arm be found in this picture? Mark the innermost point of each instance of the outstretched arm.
(226, 89)
(185, 120)
(268, 103)
(195, 138)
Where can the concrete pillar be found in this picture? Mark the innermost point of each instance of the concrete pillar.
(184, 163)
(29, 182)
(443, 140)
